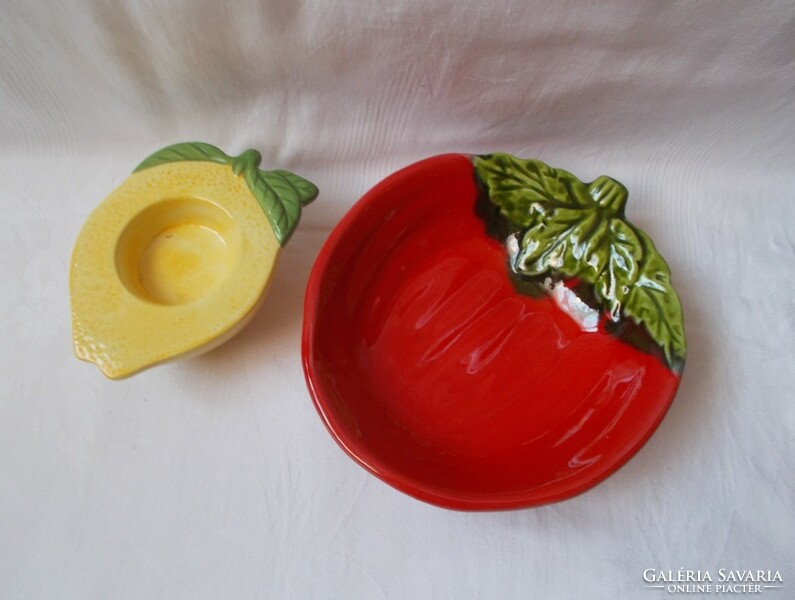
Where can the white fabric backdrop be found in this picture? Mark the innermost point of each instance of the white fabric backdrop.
(214, 477)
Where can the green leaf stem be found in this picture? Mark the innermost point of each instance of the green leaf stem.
(575, 229)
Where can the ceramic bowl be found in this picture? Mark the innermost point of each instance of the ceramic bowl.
(451, 357)
(177, 259)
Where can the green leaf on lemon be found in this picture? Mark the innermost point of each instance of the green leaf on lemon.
(281, 197)
(575, 229)
(184, 151)
(281, 194)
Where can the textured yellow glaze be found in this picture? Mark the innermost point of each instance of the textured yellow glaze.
(172, 263)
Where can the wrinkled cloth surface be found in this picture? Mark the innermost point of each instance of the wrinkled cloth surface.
(214, 477)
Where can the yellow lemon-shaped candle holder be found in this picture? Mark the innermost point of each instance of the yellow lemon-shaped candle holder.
(176, 260)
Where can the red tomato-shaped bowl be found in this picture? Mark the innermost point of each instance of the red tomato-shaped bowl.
(433, 372)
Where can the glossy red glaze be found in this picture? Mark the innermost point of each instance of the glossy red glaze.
(433, 373)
